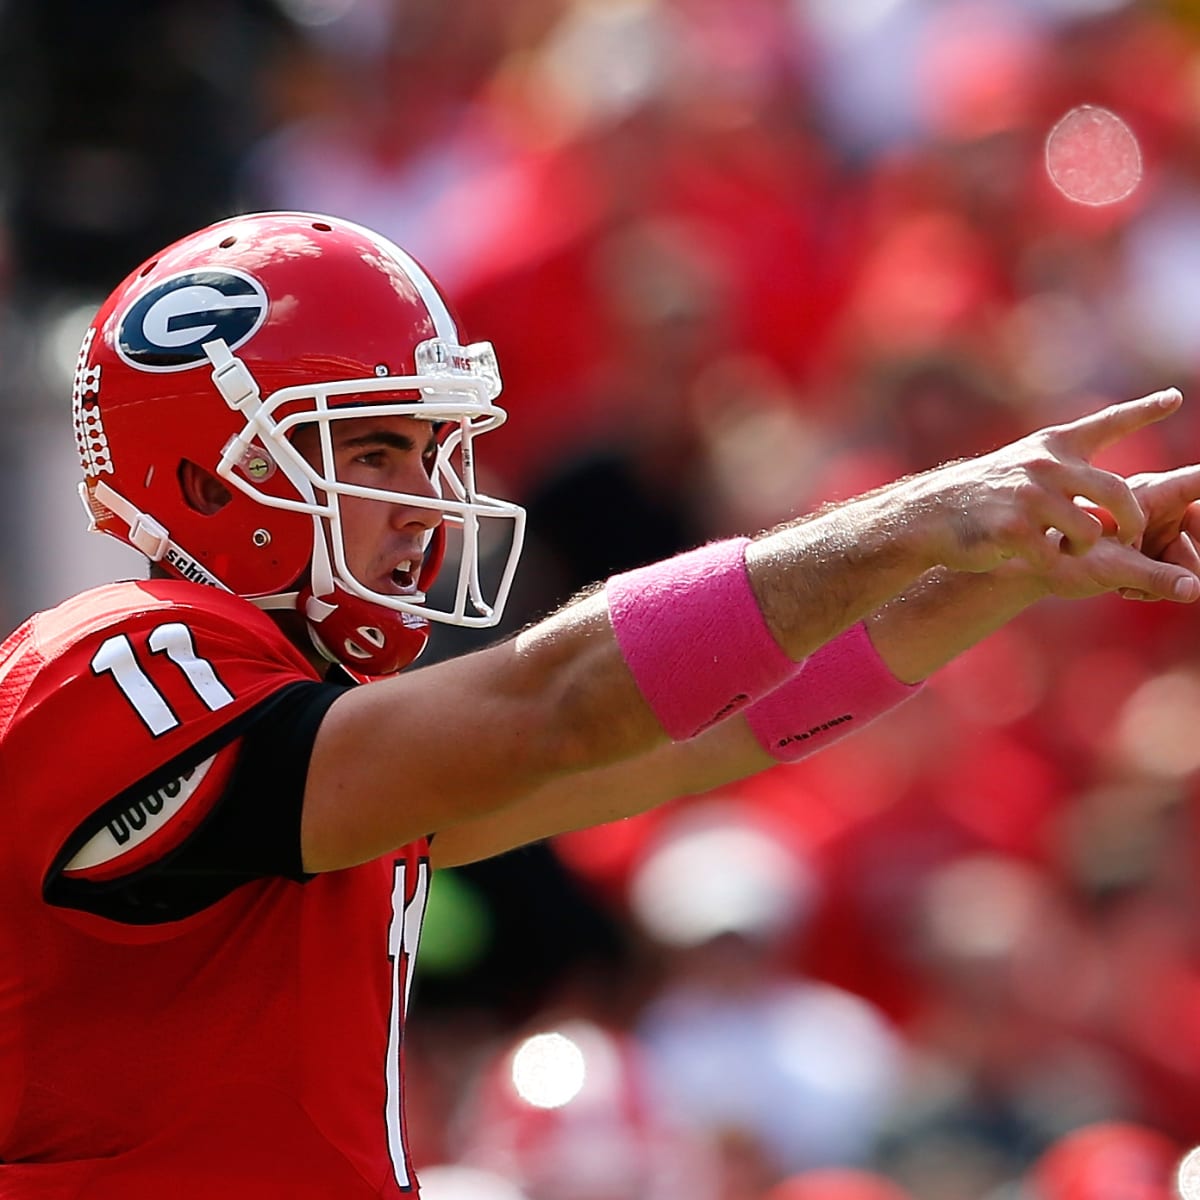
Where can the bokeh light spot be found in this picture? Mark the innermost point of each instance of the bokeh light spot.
(1188, 1177)
(1093, 157)
(548, 1070)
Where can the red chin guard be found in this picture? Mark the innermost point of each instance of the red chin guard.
(365, 638)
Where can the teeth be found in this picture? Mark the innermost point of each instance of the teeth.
(405, 566)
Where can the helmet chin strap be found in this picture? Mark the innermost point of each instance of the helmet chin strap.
(321, 583)
(278, 602)
(320, 570)
(383, 646)
(146, 534)
(153, 540)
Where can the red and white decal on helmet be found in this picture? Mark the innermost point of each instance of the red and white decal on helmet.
(90, 439)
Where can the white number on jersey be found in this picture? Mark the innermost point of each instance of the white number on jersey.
(117, 657)
(404, 934)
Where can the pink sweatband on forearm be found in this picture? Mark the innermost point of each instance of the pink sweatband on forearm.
(840, 688)
(694, 638)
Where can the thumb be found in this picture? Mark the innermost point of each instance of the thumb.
(1172, 583)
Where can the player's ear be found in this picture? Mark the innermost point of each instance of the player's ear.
(202, 490)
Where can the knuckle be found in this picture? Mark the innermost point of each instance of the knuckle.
(1039, 468)
(1010, 526)
(1027, 492)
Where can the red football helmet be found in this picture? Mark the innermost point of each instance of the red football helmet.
(215, 351)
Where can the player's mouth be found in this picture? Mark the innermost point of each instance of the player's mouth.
(404, 576)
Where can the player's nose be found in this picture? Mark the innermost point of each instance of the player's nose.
(420, 486)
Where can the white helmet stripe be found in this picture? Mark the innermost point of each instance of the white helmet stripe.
(443, 322)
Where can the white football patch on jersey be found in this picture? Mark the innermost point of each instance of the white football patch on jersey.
(127, 829)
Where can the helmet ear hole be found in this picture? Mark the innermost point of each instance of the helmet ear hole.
(202, 491)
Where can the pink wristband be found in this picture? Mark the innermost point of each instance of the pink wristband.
(840, 688)
(693, 637)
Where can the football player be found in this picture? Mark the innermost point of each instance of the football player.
(222, 799)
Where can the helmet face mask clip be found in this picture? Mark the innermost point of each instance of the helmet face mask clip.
(219, 352)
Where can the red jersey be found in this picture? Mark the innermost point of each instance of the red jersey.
(245, 1045)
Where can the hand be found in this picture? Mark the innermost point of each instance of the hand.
(1040, 499)
(1171, 503)
(1162, 560)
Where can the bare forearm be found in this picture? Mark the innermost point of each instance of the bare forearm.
(944, 613)
(723, 755)
(928, 624)
(815, 578)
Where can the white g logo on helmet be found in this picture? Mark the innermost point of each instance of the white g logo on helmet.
(165, 328)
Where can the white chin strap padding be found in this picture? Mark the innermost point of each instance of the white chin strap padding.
(145, 533)
(320, 572)
(317, 610)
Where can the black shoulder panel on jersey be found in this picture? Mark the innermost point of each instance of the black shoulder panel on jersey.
(253, 831)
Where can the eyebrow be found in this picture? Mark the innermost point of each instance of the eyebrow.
(383, 437)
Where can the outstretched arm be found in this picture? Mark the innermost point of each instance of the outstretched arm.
(930, 623)
(499, 740)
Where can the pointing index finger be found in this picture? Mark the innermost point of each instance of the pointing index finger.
(1109, 425)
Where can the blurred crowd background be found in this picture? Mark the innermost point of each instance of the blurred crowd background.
(737, 258)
